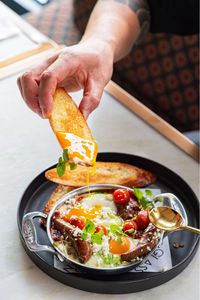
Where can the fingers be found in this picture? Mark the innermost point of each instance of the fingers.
(49, 80)
(29, 91)
(47, 88)
(91, 98)
(28, 85)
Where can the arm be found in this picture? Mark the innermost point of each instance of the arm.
(113, 28)
(124, 23)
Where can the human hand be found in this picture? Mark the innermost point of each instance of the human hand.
(86, 66)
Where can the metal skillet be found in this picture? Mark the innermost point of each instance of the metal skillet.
(30, 235)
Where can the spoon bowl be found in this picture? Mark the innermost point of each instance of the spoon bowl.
(168, 219)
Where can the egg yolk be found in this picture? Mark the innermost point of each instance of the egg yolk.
(90, 213)
(79, 149)
(119, 247)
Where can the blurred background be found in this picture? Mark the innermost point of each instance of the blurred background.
(162, 72)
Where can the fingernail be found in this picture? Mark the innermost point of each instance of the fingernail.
(43, 112)
(38, 111)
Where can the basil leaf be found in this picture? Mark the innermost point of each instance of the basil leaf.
(138, 193)
(73, 166)
(60, 160)
(142, 200)
(84, 236)
(159, 199)
(149, 193)
(60, 168)
(65, 155)
(97, 237)
(116, 229)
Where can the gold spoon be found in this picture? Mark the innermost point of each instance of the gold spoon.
(168, 219)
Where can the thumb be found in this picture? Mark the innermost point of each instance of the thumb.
(91, 98)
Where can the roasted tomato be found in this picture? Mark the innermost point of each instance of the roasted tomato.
(76, 221)
(129, 225)
(142, 219)
(101, 227)
(121, 197)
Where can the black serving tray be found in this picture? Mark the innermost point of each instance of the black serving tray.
(38, 192)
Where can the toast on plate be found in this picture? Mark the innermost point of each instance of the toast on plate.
(57, 194)
(106, 173)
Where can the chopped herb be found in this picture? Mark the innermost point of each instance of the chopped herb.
(159, 199)
(65, 155)
(73, 166)
(111, 259)
(111, 216)
(84, 236)
(60, 168)
(63, 160)
(116, 229)
(144, 200)
(97, 237)
(130, 230)
(119, 240)
(149, 193)
(89, 228)
(138, 193)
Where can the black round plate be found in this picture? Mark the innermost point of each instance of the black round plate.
(38, 192)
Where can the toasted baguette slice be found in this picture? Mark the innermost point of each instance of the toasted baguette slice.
(58, 193)
(106, 172)
(71, 129)
(66, 117)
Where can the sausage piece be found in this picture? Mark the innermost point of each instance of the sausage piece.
(146, 243)
(83, 248)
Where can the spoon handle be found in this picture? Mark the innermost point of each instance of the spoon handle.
(190, 228)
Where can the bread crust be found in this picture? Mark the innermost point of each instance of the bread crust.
(57, 194)
(66, 117)
(106, 173)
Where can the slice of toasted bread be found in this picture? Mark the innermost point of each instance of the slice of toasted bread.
(66, 117)
(58, 193)
(106, 172)
(71, 129)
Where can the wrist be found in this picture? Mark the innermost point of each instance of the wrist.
(100, 46)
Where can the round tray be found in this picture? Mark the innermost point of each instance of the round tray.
(38, 192)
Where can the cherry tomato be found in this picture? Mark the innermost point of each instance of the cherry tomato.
(101, 227)
(128, 225)
(142, 219)
(78, 222)
(121, 196)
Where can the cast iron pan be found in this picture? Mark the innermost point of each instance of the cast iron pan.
(38, 192)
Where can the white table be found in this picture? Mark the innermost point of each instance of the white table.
(28, 146)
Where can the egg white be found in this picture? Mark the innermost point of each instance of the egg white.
(98, 199)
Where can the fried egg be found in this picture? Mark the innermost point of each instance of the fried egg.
(122, 245)
(88, 213)
(102, 200)
(80, 150)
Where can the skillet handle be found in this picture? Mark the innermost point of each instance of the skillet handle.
(30, 235)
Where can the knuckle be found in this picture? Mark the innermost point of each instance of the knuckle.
(47, 75)
(95, 101)
(26, 76)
